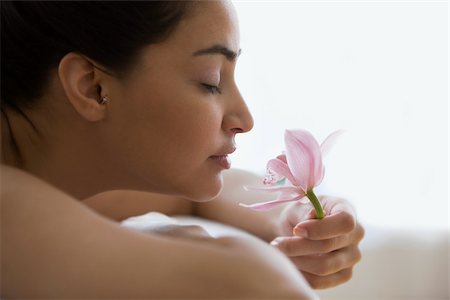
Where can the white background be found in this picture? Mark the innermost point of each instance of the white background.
(377, 69)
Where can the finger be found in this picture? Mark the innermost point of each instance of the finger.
(298, 246)
(330, 263)
(298, 212)
(324, 282)
(330, 226)
(358, 234)
(334, 205)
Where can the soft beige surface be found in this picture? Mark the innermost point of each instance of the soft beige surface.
(396, 264)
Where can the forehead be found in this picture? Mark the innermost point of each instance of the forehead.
(207, 23)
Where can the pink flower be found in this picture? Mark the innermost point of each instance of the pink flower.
(295, 173)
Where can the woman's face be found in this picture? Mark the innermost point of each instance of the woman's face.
(172, 121)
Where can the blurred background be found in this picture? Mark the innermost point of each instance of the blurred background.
(379, 70)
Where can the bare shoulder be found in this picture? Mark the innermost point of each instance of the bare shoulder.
(55, 247)
(10, 175)
(23, 194)
(14, 180)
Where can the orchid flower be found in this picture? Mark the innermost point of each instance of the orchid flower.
(297, 171)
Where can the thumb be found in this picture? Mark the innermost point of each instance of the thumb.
(299, 212)
(313, 214)
(310, 215)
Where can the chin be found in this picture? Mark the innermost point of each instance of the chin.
(205, 196)
(205, 191)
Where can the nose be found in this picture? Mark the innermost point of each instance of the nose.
(237, 118)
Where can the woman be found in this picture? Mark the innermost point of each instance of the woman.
(99, 99)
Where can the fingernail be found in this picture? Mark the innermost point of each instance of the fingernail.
(275, 242)
(300, 231)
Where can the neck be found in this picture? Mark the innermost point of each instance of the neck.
(52, 150)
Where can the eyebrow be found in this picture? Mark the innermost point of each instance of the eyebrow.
(218, 49)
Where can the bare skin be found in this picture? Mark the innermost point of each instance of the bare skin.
(55, 247)
(159, 133)
(325, 256)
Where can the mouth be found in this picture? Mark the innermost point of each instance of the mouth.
(222, 158)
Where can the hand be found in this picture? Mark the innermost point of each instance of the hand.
(326, 250)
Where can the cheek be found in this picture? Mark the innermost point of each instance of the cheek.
(167, 138)
(185, 134)
(190, 141)
(187, 118)
(193, 136)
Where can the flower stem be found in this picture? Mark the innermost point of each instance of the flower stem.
(315, 202)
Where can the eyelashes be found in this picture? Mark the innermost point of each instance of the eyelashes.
(212, 89)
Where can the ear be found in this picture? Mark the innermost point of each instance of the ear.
(80, 81)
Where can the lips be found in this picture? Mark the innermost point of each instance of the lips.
(225, 151)
(222, 159)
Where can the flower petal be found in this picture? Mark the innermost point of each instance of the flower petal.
(304, 157)
(305, 200)
(273, 189)
(282, 157)
(268, 205)
(313, 146)
(280, 167)
(287, 194)
(272, 178)
(326, 145)
(319, 176)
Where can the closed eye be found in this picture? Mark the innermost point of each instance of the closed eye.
(212, 89)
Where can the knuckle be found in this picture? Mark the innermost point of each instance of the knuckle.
(288, 247)
(327, 246)
(323, 282)
(358, 255)
(314, 281)
(333, 264)
(324, 268)
(315, 284)
(360, 232)
(348, 222)
(282, 246)
(346, 275)
(330, 265)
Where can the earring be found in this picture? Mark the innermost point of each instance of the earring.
(103, 100)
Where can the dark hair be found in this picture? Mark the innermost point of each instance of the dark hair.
(36, 35)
